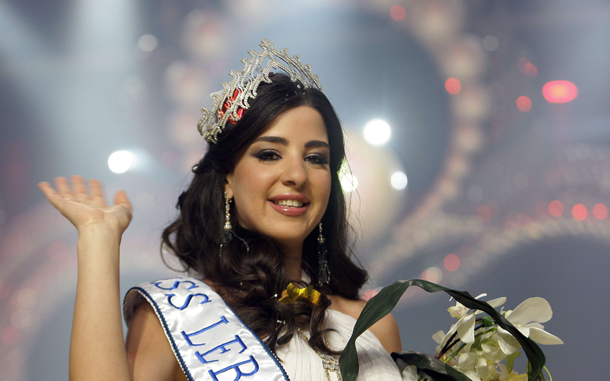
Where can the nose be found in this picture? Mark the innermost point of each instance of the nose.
(295, 173)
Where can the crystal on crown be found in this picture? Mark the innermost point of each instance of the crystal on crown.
(231, 102)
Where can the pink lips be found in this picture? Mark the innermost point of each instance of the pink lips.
(290, 211)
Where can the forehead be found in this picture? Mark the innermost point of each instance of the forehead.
(299, 123)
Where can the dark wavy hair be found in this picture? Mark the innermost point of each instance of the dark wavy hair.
(250, 280)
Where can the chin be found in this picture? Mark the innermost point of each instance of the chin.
(287, 240)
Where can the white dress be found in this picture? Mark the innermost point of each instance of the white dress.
(302, 363)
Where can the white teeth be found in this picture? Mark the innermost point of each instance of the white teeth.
(289, 203)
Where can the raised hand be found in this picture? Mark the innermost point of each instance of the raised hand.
(88, 210)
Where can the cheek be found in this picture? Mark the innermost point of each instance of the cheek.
(251, 187)
(323, 186)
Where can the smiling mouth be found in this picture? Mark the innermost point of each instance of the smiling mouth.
(290, 203)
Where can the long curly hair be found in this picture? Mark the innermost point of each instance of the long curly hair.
(248, 280)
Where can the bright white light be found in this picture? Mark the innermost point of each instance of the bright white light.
(349, 182)
(120, 161)
(399, 180)
(377, 132)
(147, 43)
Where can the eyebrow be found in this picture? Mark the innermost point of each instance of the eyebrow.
(284, 141)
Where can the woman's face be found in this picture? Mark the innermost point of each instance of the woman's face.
(281, 182)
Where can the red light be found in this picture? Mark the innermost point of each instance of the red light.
(453, 86)
(600, 211)
(524, 104)
(368, 294)
(579, 211)
(530, 70)
(451, 262)
(559, 91)
(11, 335)
(555, 208)
(398, 13)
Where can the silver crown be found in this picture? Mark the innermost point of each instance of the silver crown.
(233, 99)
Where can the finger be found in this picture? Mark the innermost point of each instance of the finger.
(61, 183)
(121, 199)
(80, 192)
(49, 192)
(97, 191)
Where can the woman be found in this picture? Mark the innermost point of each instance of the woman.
(270, 177)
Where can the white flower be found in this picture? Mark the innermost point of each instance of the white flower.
(480, 364)
(465, 326)
(458, 311)
(438, 338)
(527, 318)
(512, 376)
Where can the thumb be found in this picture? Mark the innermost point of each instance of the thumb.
(120, 198)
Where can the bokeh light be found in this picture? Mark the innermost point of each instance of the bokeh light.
(11, 335)
(524, 104)
(349, 182)
(560, 91)
(556, 208)
(529, 69)
(451, 262)
(147, 43)
(399, 180)
(120, 161)
(21, 318)
(579, 211)
(398, 13)
(491, 43)
(600, 211)
(27, 297)
(432, 274)
(368, 294)
(453, 86)
(377, 132)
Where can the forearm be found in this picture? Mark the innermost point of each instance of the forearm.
(97, 350)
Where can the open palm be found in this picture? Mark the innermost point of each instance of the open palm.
(88, 209)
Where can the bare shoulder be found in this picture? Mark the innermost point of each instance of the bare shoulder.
(386, 329)
(149, 353)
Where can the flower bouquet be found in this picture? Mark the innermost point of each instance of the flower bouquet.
(474, 348)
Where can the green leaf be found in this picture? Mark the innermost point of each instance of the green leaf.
(510, 361)
(382, 303)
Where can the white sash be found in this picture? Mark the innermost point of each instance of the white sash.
(209, 340)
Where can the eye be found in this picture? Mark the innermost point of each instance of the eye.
(316, 159)
(267, 155)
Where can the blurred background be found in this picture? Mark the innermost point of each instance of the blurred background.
(478, 139)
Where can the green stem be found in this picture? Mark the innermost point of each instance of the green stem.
(455, 353)
(547, 372)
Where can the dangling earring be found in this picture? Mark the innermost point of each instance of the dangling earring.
(323, 270)
(228, 228)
